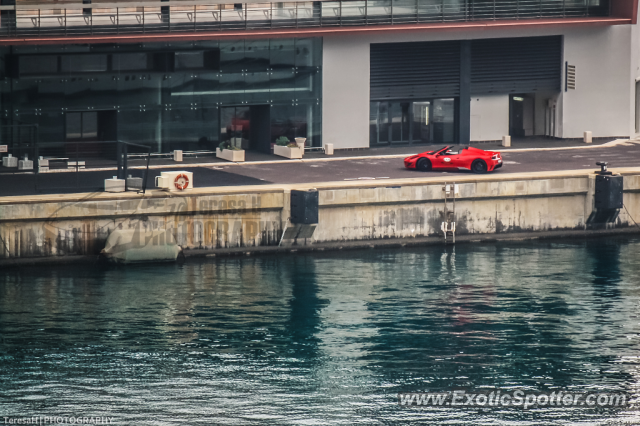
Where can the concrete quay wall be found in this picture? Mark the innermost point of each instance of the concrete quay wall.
(229, 218)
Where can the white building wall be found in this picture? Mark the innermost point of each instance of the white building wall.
(603, 101)
(489, 117)
(635, 74)
(345, 92)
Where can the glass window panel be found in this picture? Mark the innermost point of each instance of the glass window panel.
(83, 63)
(232, 56)
(38, 65)
(443, 120)
(257, 87)
(421, 122)
(130, 61)
(231, 88)
(282, 53)
(189, 60)
(90, 125)
(73, 125)
(282, 85)
(256, 55)
(373, 123)
(383, 122)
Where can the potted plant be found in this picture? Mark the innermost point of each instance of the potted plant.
(230, 153)
(284, 148)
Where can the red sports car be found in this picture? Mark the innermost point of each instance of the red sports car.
(453, 158)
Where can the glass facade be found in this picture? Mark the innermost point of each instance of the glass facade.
(165, 95)
(403, 122)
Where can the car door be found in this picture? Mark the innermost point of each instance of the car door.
(447, 160)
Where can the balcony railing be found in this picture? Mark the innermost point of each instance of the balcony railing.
(24, 20)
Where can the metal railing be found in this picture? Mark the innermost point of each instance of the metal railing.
(75, 159)
(192, 16)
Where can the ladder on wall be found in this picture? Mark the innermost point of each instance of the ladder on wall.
(448, 226)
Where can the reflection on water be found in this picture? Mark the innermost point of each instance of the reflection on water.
(323, 339)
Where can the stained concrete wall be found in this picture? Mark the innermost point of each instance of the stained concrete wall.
(354, 211)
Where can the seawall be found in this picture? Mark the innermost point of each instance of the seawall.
(226, 220)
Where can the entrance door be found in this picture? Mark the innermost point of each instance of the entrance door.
(422, 122)
(246, 127)
(235, 126)
(84, 130)
(516, 116)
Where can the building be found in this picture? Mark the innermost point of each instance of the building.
(355, 73)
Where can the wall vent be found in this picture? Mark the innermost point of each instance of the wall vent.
(570, 77)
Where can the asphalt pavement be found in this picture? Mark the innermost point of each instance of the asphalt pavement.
(326, 169)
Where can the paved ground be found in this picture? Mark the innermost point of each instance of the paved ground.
(324, 169)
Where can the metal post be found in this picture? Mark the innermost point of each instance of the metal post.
(464, 108)
(77, 160)
(125, 159)
(36, 158)
(366, 12)
(119, 158)
(146, 173)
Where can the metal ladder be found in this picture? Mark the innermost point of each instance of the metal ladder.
(448, 227)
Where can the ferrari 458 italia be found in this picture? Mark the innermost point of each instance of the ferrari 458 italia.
(453, 158)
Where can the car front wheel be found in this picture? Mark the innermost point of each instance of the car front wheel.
(423, 164)
(479, 166)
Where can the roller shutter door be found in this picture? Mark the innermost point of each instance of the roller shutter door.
(432, 69)
(516, 65)
(415, 70)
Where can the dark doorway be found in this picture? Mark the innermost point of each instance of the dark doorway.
(84, 130)
(516, 116)
(246, 127)
(260, 137)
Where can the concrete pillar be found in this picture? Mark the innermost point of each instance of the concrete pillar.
(328, 149)
(506, 141)
(589, 198)
(587, 137)
(464, 116)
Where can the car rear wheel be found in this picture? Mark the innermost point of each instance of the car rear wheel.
(423, 164)
(479, 166)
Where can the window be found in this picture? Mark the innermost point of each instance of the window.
(82, 125)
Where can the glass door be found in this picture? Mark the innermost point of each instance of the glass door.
(399, 121)
(421, 122)
(235, 127)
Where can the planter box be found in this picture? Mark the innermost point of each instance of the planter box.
(300, 142)
(285, 151)
(230, 155)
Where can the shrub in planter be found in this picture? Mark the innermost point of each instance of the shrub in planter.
(282, 141)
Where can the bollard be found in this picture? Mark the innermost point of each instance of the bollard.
(328, 149)
(506, 141)
(177, 155)
(587, 137)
